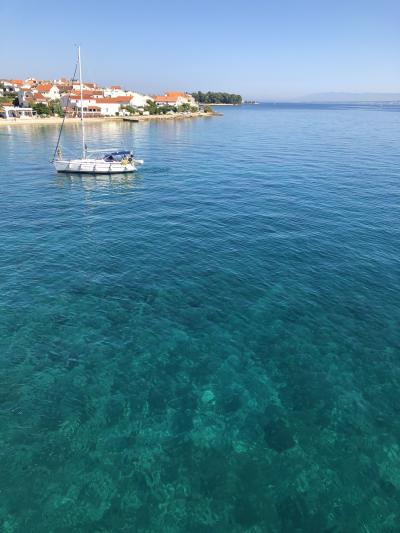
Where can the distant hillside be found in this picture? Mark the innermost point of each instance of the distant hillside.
(351, 97)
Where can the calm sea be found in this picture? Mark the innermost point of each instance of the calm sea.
(213, 344)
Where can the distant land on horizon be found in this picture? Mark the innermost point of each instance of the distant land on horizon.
(349, 97)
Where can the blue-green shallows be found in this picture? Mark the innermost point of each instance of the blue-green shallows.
(212, 344)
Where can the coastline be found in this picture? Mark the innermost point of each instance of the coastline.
(76, 120)
(177, 116)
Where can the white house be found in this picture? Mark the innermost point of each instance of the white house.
(26, 87)
(48, 90)
(137, 99)
(76, 95)
(109, 107)
(86, 86)
(175, 99)
(9, 111)
(27, 98)
(73, 100)
(40, 94)
(95, 106)
(114, 91)
(88, 97)
(11, 86)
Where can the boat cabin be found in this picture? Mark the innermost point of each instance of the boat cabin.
(122, 155)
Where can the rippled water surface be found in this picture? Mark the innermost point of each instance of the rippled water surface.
(213, 344)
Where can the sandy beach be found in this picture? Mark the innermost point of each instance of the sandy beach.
(135, 118)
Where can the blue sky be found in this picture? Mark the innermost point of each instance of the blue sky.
(261, 49)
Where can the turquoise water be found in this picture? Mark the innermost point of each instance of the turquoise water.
(213, 344)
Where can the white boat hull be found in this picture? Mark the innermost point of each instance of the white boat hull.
(94, 166)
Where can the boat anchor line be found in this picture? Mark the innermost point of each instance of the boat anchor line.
(104, 161)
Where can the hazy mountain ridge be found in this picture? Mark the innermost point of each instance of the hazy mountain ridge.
(350, 97)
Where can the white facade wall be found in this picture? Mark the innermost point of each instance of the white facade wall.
(76, 86)
(108, 110)
(139, 100)
(23, 94)
(52, 94)
(16, 112)
(186, 100)
(75, 102)
(179, 100)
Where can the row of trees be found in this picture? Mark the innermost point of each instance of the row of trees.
(53, 108)
(217, 98)
(154, 109)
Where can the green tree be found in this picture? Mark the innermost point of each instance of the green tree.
(184, 108)
(55, 108)
(41, 109)
(166, 108)
(6, 100)
(129, 108)
(152, 108)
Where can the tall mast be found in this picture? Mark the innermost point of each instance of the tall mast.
(82, 122)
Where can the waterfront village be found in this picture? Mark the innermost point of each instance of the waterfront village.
(31, 98)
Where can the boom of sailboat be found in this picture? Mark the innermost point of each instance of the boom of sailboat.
(103, 161)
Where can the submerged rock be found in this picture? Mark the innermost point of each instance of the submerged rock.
(278, 436)
(208, 397)
(231, 403)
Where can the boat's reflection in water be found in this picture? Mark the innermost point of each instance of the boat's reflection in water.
(98, 181)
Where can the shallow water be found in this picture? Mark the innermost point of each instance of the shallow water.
(212, 344)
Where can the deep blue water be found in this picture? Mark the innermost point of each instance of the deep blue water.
(210, 345)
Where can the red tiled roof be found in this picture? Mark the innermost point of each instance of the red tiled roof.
(176, 94)
(45, 87)
(37, 97)
(16, 82)
(115, 100)
(63, 86)
(84, 83)
(115, 86)
(164, 99)
(170, 97)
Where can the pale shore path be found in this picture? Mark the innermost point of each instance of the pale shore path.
(138, 118)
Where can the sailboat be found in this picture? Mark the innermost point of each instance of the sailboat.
(108, 161)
